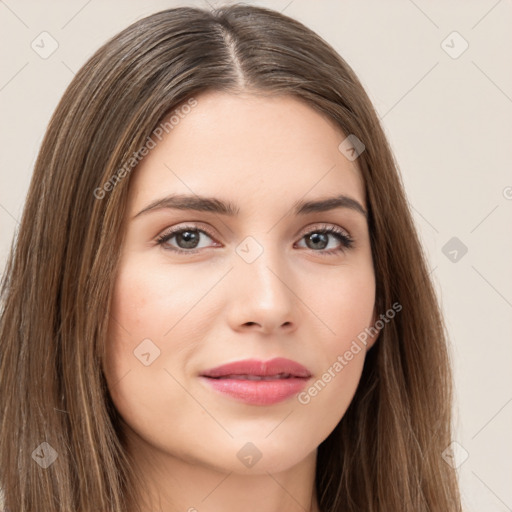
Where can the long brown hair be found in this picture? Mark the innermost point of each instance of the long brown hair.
(384, 455)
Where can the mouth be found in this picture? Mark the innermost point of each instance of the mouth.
(256, 382)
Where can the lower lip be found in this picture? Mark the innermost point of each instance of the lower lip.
(258, 392)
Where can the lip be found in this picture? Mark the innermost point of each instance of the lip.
(239, 380)
(257, 367)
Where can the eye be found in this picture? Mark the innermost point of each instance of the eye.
(319, 239)
(187, 238)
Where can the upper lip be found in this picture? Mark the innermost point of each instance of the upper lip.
(276, 366)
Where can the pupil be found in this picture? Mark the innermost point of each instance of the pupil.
(318, 237)
(190, 238)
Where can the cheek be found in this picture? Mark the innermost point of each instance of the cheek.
(346, 308)
(150, 301)
(344, 302)
(144, 311)
(143, 299)
(146, 340)
(355, 305)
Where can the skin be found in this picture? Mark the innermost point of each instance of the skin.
(211, 307)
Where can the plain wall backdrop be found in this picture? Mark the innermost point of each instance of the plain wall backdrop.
(440, 77)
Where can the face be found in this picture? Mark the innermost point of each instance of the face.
(201, 287)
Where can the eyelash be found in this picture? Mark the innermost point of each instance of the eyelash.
(345, 239)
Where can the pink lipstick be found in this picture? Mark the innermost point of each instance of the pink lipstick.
(258, 382)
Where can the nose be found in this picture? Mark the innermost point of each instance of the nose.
(262, 297)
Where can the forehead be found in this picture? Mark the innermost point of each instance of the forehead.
(243, 147)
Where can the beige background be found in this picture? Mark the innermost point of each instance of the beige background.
(449, 123)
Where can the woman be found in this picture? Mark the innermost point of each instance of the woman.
(217, 297)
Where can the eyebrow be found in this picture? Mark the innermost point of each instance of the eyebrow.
(214, 205)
